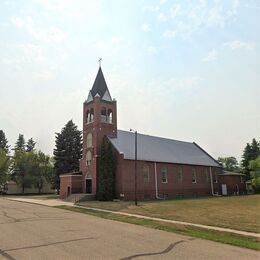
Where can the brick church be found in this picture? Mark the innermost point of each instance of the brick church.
(165, 167)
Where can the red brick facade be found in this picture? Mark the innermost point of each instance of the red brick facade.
(173, 180)
(70, 184)
(175, 186)
(100, 126)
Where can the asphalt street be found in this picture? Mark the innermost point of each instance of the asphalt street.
(30, 231)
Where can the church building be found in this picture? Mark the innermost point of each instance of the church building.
(164, 167)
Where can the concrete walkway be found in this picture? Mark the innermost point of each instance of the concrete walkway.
(57, 202)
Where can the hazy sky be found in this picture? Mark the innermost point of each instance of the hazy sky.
(186, 70)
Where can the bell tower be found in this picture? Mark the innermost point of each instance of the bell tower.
(99, 120)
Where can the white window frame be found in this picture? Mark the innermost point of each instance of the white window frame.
(164, 171)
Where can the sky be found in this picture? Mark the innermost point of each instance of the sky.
(185, 70)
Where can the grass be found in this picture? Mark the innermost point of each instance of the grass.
(237, 212)
(223, 237)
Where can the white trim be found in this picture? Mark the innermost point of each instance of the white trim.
(107, 96)
(90, 98)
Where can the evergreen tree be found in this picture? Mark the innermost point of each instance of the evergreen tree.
(67, 152)
(3, 142)
(30, 146)
(255, 149)
(20, 143)
(251, 152)
(106, 185)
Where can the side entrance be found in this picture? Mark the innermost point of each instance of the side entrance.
(89, 186)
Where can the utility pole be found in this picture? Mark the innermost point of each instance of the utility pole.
(135, 173)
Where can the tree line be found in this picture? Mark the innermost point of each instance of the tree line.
(26, 167)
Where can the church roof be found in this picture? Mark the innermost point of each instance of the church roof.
(100, 86)
(157, 149)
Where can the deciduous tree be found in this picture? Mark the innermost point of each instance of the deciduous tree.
(254, 167)
(4, 168)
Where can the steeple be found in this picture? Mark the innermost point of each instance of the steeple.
(99, 88)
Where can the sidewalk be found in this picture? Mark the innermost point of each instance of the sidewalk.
(57, 202)
(49, 202)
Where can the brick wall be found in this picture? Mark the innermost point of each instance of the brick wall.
(70, 184)
(173, 188)
(234, 184)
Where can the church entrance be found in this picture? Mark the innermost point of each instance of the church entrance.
(88, 186)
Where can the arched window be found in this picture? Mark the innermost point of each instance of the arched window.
(88, 117)
(88, 158)
(164, 174)
(110, 116)
(103, 115)
(91, 118)
(146, 173)
(89, 140)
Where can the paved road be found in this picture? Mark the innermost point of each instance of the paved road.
(30, 231)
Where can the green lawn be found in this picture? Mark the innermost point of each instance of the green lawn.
(223, 237)
(238, 212)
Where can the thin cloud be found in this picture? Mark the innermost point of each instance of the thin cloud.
(51, 35)
(161, 17)
(145, 27)
(236, 44)
(212, 55)
(169, 34)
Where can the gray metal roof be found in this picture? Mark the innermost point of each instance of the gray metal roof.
(157, 149)
(100, 85)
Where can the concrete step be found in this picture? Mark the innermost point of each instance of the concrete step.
(80, 197)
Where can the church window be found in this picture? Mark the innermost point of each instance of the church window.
(91, 118)
(215, 179)
(164, 174)
(206, 172)
(241, 179)
(88, 116)
(194, 177)
(146, 173)
(88, 158)
(103, 115)
(110, 116)
(179, 175)
(89, 140)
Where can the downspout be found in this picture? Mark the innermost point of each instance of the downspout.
(211, 181)
(156, 184)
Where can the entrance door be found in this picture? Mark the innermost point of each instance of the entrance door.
(88, 186)
(68, 191)
(224, 189)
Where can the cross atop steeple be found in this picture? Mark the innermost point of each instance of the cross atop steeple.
(99, 61)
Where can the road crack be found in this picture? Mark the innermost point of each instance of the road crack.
(165, 251)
